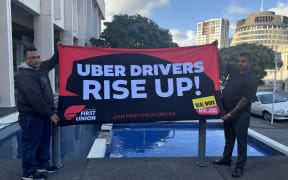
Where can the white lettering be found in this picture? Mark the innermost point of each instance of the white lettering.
(177, 68)
(116, 87)
(94, 91)
(135, 88)
(135, 70)
(187, 68)
(198, 67)
(96, 70)
(181, 87)
(159, 91)
(80, 70)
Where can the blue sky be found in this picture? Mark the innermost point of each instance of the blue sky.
(181, 16)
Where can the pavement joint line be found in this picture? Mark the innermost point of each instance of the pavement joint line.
(217, 169)
(268, 141)
(10, 118)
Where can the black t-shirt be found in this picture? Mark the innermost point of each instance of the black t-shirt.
(239, 86)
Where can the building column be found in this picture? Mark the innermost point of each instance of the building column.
(89, 16)
(96, 21)
(98, 24)
(82, 22)
(44, 34)
(75, 18)
(66, 36)
(93, 19)
(7, 98)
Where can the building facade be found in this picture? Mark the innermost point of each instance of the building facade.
(268, 29)
(42, 23)
(213, 29)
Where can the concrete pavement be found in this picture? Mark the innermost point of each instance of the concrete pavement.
(278, 131)
(258, 168)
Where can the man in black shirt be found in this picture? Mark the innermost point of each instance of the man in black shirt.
(35, 106)
(237, 95)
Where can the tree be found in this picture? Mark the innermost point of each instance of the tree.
(262, 57)
(133, 32)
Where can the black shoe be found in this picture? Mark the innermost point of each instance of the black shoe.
(237, 172)
(50, 169)
(35, 176)
(222, 162)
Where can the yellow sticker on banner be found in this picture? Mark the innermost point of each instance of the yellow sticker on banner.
(204, 102)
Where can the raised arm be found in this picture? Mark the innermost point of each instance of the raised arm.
(50, 63)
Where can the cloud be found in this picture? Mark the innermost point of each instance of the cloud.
(131, 7)
(233, 9)
(187, 38)
(281, 9)
(232, 29)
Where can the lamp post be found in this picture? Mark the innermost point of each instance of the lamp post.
(277, 58)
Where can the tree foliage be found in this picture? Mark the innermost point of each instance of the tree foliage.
(262, 57)
(133, 32)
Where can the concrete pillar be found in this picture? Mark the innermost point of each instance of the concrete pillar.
(66, 36)
(89, 34)
(44, 33)
(7, 98)
(75, 16)
(57, 9)
(93, 21)
(98, 23)
(82, 22)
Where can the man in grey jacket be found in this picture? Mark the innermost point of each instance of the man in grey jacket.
(35, 106)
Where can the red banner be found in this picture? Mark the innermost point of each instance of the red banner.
(103, 85)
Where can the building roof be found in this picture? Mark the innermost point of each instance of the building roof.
(263, 17)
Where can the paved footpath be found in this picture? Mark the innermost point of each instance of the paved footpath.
(258, 168)
(277, 131)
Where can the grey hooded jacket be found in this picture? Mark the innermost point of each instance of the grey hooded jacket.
(35, 96)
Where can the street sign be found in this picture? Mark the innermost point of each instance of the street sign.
(277, 57)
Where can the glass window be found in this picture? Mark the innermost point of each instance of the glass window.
(268, 98)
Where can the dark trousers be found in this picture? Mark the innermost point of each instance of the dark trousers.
(237, 128)
(36, 133)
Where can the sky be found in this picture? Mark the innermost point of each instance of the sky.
(181, 16)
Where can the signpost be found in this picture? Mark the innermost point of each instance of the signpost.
(277, 58)
(202, 144)
(56, 150)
